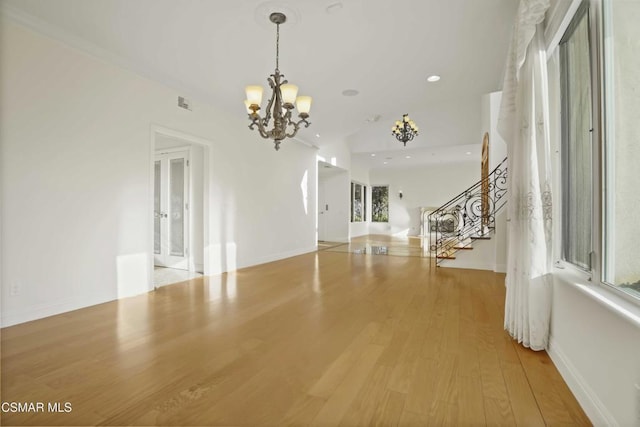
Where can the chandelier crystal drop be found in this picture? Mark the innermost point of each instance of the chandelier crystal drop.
(281, 104)
(405, 130)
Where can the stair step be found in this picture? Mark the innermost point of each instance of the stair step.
(480, 237)
(445, 257)
(461, 248)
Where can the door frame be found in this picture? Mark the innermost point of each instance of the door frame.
(156, 130)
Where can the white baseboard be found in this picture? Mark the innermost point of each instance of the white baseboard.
(500, 268)
(40, 311)
(454, 263)
(279, 256)
(598, 414)
(341, 239)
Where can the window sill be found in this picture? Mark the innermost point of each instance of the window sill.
(617, 304)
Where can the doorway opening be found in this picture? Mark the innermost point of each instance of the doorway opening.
(333, 205)
(180, 201)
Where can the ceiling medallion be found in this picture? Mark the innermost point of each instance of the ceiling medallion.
(280, 105)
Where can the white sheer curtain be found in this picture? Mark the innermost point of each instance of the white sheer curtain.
(524, 124)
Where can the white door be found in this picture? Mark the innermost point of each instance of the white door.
(170, 210)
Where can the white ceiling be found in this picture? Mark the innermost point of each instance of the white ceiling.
(209, 50)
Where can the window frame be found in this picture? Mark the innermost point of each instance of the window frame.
(583, 11)
(372, 204)
(600, 150)
(363, 201)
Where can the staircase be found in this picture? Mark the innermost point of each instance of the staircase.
(468, 217)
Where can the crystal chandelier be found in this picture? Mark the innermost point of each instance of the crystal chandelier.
(280, 106)
(405, 130)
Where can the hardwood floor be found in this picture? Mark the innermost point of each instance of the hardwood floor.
(377, 244)
(320, 339)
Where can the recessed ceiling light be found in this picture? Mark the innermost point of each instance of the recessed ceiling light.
(317, 135)
(350, 92)
(433, 78)
(385, 163)
(407, 157)
(373, 154)
(468, 152)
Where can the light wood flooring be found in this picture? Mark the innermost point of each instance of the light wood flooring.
(377, 244)
(324, 339)
(163, 276)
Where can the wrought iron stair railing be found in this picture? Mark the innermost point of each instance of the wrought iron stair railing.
(468, 216)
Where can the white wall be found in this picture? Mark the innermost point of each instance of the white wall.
(197, 208)
(497, 146)
(596, 350)
(76, 180)
(490, 107)
(425, 186)
(336, 153)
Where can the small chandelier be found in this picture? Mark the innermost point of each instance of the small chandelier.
(280, 105)
(405, 130)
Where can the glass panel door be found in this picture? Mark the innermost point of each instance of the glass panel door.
(170, 221)
(176, 227)
(157, 210)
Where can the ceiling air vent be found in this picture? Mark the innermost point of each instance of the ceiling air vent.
(184, 103)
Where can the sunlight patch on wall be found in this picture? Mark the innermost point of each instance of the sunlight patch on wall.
(304, 187)
(223, 257)
(132, 274)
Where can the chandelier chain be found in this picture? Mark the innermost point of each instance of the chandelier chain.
(281, 103)
(277, 47)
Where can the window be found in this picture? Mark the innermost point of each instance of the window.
(358, 202)
(577, 187)
(600, 167)
(380, 204)
(621, 178)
